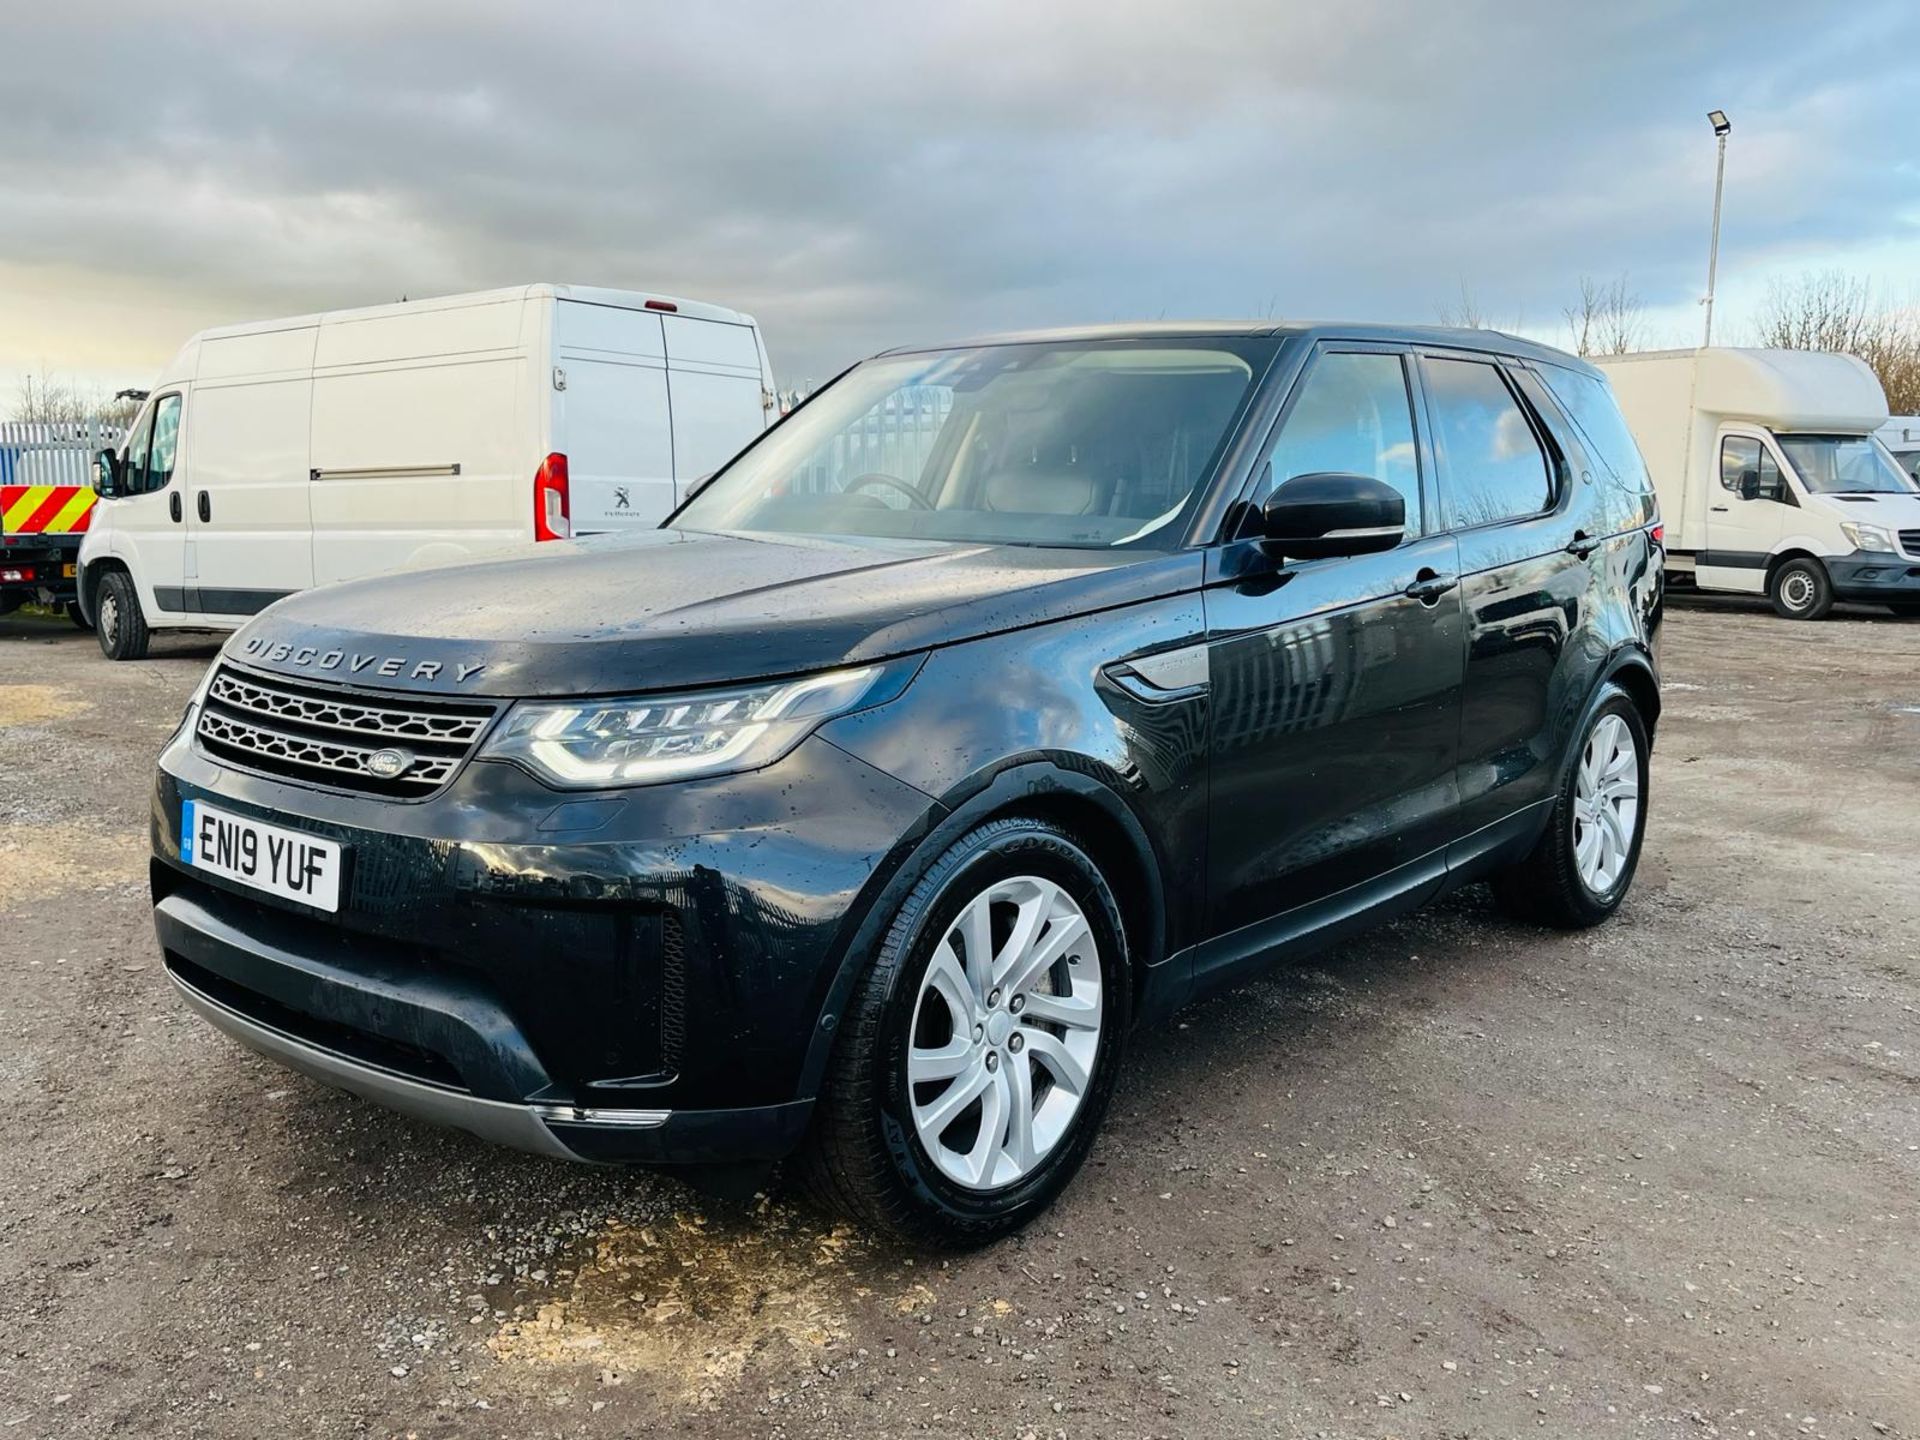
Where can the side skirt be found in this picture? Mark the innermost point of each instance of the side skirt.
(1228, 959)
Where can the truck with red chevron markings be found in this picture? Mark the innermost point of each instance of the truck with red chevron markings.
(46, 503)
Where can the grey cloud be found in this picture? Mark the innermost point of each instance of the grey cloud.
(863, 175)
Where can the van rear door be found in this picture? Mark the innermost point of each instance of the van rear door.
(610, 420)
(719, 399)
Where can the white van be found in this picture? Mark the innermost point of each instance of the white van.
(289, 453)
(1901, 436)
(1770, 478)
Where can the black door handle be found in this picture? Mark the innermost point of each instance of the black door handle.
(1582, 544)
(206, 507)
(1429, 586)
(173, 506)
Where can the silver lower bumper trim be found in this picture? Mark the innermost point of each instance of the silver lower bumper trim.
(522, 1127)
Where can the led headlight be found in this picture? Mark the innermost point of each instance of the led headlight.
(586, 744)
(1867, 537)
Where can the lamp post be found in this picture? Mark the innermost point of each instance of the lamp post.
(1721, 128)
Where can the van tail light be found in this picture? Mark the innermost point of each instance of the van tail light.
(1659, 533)
(552, 501)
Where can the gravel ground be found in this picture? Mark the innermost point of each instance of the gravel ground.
(1461, 1178)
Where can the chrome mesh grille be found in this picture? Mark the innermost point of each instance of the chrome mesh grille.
(329, 736)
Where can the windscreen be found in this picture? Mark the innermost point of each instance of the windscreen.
(1845, 465)
(1091, 444)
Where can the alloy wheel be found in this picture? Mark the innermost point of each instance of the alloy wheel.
(1006, 1029)
(1606, 804)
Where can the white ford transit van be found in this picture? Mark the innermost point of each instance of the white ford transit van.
(275, 456)
(1770, 477)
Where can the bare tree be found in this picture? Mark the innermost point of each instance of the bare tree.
(1835, 311)
(1465, 313)
(1609, 319)
(45, 398)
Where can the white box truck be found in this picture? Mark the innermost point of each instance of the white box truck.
(275, 456)
(1770, 477)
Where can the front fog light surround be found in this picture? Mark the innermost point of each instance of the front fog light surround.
(645, 739)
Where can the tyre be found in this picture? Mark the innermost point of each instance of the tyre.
(1800, 590)
(74, 614)
(118, 623)
(11, 603)
(1580, 870)
(979, 1051)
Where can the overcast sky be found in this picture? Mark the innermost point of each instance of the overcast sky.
(860, 175)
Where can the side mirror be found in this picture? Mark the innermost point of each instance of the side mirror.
(1314, 517)
(106, 474)
(698, 485)
(1749, 484)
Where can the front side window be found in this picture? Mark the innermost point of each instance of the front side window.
(1844, 465)
(1086, 444)
(133, 470)
(1353, 417)
(1495, 467)
(166, 443)
(1748, 469)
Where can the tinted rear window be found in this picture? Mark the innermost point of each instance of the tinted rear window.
(1589, 400)
(1495, 467)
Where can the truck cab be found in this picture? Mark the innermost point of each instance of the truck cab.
(1772, 477)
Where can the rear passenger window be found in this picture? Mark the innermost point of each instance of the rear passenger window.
(1589, 399)
(1495, 467)
(1353, 417)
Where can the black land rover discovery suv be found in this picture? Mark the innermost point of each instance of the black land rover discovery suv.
(1002, 696)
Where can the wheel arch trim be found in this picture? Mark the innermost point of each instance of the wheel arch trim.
(1631, 668)
(1044, 787)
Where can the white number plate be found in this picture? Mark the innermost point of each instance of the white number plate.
(281, 862)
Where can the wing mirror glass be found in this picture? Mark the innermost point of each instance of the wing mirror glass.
(106, 474)
(1328, 513)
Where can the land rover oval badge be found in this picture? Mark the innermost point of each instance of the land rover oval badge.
(390, 764)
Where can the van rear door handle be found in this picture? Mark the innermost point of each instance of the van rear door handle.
(1582, 544)
(1430, 586)
(206, 507)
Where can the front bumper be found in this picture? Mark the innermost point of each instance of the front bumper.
(636, 976)
(1874, 578)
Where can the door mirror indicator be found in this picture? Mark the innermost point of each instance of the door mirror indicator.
(1327, 513)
